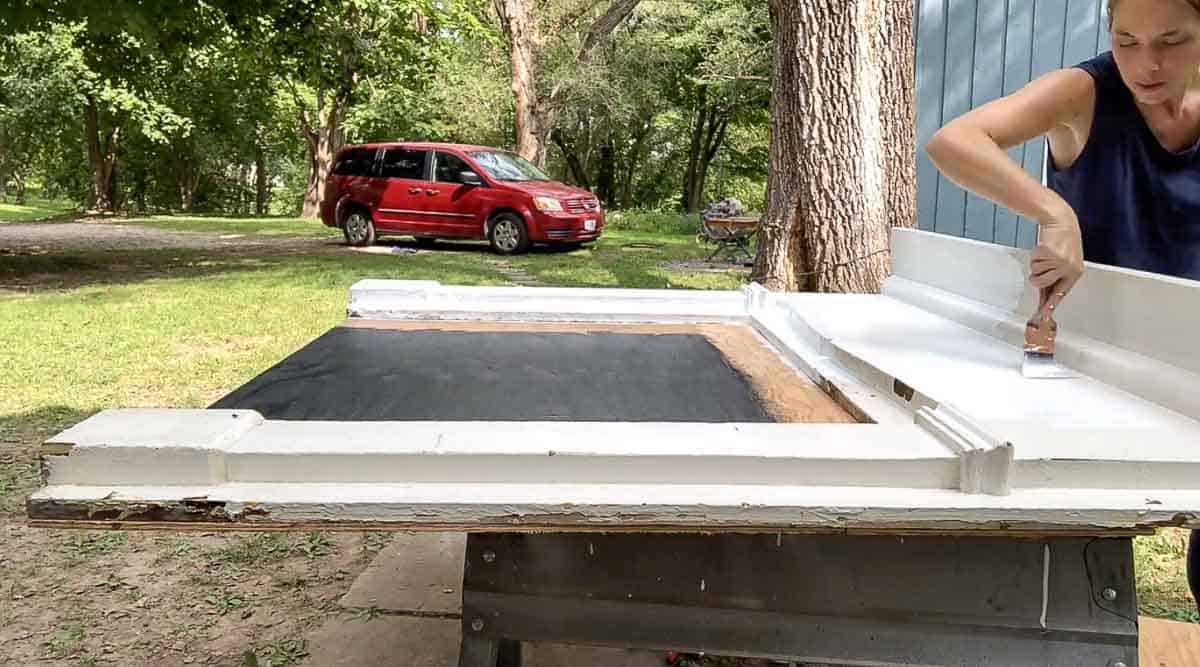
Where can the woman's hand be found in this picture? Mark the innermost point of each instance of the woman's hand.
(1057, 261)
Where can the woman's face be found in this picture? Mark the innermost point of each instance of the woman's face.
(1156, 44)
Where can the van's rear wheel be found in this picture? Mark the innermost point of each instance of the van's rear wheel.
(508, 235)
(358, 229)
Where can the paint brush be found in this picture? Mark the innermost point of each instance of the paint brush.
(1040, 332)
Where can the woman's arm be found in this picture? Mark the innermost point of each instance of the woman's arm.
(970, 151)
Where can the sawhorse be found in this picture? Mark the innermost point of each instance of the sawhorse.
(879, 600)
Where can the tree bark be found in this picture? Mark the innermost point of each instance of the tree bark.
(534, 113)
(324, 141)
(842, 158)
(102, 157)
(521, 29)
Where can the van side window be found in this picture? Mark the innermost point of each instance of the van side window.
(404, 163)
(355, 162)
(449, 167)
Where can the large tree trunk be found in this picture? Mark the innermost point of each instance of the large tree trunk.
(842, 160)
(102, 157)
(534, 113)
(324, 142)
(521, 27)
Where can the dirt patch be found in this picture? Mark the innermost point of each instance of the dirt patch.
(787, 395)
(160, 598)
(82, 597)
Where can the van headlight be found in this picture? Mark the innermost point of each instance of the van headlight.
(547, 204)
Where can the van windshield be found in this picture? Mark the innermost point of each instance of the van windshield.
(504, 166)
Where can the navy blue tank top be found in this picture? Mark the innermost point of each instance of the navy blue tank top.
(1138, 203)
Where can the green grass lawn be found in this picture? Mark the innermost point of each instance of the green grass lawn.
(181, 328)
(34, 209)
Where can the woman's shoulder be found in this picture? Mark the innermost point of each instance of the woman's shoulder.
(1103, 70)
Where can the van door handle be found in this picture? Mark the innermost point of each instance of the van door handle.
(414, 191)
(433, 192)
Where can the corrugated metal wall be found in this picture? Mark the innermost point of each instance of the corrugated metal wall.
(973, 51)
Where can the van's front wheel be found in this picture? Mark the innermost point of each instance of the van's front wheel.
(508, 234)
(358, 229)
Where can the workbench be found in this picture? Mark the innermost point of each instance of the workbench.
(863, 479)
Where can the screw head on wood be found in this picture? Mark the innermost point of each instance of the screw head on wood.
(1117, 663)
(489, 556)
(1110, 595)
(477, 626)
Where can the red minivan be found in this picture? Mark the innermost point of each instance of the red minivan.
(433, 190)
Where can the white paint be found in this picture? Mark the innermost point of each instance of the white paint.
(428, 300)
(1126, 328)
(948, 362)
(1142, 312)
(985, 463)
(1148, 378)
(808, 352)
(155, 446)
(518, 453)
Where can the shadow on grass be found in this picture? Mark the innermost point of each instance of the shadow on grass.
(64, 270)
(452, 262)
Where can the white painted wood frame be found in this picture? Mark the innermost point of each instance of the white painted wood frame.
(957, 441)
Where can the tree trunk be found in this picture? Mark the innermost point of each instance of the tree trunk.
(189, 180)
(521, 29)
(102, 157)
(707, 137)
(19, 192)
(139, 191)
(260, 178)
(689, 177)
(324, 142)
(576, 172)
(631, 164)
(606, 182)
(4, 160)
(534, 114)
(842, 159)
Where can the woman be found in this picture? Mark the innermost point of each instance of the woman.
(1124, 165)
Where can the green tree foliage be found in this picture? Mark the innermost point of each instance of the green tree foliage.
(236, 108)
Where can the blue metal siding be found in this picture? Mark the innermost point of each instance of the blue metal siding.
(970, 52)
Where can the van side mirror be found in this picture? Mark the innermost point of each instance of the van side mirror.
(469, 178)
